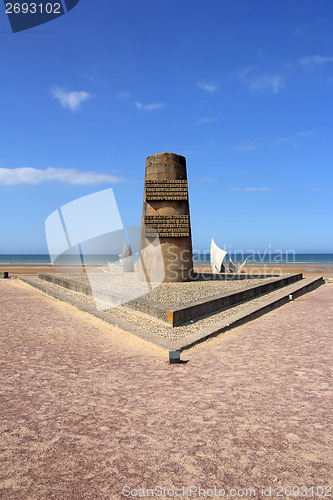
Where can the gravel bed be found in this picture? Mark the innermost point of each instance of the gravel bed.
(69, 295)
(170, 294)
(154, 325)
(160, 328)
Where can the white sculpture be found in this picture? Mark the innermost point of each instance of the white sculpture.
(216, 258)
(114, 269)
(236, 269)
(126, 262)
(126, 259)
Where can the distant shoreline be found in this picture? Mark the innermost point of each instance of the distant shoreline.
(202, 259)
(308, 269)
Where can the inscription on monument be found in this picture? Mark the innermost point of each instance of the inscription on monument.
(174, 226)
(166, 213)
(166, 190)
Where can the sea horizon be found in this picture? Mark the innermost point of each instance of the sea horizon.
(198, 258)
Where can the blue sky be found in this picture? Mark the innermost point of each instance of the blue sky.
(243, 89)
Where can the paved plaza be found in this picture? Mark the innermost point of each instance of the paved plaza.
(89, 411)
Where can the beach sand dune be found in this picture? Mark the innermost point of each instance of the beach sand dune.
(87, 409)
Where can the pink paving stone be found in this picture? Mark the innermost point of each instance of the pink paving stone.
(87, 409)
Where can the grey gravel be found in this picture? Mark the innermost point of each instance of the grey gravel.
(159, 327)
(168, 294)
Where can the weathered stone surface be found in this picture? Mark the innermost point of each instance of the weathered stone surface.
(166, 213)
(168, 226)
(166, 190)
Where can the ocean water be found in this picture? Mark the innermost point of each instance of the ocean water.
(24, 260)
(198, 258)
(271, 258)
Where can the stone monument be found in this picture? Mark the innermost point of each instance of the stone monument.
(166, 213)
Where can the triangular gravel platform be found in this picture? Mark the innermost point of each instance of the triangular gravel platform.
(142, 325)
(179, 303)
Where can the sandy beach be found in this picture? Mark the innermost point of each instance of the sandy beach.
(89, 411)
(31, 270)
(308, 270)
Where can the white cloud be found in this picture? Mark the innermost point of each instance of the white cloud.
(306, 134)
(123, 95)
(27, 175)
(247, 189)
(203, 121)
(284, 139)
(261, 84)
(312, 62)
(208, 180)
(149, 107)
(71, 100)
(246, 147)
(266, 83)
(208, 87)
(300, 30)
(89, 77)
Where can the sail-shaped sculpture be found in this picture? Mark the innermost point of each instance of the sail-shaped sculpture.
(114, 269)
(216, 258)
(236, 269)
(126, 259)
(126, 262)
